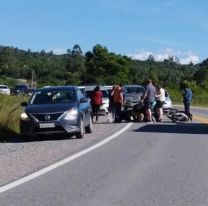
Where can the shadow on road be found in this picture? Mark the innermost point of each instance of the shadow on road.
(52, 137)
(7, 135)
(183, 128)
(11, 137)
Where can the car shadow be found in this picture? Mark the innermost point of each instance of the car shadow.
(12, 137)
(50, 137)
(8, 135)
(181, 128)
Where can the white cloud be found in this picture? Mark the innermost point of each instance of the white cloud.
(141, 56)
(57, 51)
(183, 57)
(191, 58)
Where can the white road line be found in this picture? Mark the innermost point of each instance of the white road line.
(62, 162)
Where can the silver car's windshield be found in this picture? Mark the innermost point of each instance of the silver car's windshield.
(53, 96)
(3, 87)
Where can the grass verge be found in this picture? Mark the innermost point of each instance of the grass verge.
(10, 110)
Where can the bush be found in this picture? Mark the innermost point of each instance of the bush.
(200, 96)
(10, 110)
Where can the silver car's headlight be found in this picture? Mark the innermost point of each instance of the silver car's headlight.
(71, 114)
(24, 117)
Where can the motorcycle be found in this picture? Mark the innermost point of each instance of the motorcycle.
(177, 115)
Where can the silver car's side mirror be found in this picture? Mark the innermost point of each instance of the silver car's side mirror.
(84, 100)
(24, 104)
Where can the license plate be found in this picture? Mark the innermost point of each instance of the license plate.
(47, 125)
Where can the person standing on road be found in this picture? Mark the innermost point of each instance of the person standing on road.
(96, 102)
(160, 100)
(118, 101)
(149, 98)
(187, 99)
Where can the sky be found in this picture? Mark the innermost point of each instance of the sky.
(136, 28)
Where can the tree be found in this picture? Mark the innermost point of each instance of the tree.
(103, 66)
(7, 60)
(75, 64)
(151, 58)
(96, 66)
(76, 51)
(201, 75)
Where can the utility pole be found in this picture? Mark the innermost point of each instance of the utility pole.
(32, 79)
(32, 75)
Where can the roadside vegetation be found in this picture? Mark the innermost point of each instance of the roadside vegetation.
(98, 66)
(200, 97)
(10, 110)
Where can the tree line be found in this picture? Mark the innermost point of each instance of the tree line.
(98, 66)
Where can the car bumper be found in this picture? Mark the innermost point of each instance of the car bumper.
(6, 93)
(130, 104)
(62, 127)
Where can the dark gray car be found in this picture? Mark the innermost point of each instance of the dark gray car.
(132, 95)
(56, 110)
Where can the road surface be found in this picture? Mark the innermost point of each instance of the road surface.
(149, 164)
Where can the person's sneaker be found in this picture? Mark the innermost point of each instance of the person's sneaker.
(190, 117)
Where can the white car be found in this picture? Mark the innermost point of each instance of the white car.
(4, 89)
(82, 88)
(105, 100)
(168, 103)
(109, 88)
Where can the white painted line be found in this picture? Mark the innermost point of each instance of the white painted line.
(62, 162)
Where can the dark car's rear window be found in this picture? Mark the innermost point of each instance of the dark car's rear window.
(3, 87)
(21, 87)
(53, 96)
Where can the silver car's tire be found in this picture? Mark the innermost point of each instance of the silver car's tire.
(26, 138)
(88, 129)
(80, 134)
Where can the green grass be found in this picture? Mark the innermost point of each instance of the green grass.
(200, 97)
(10, 110)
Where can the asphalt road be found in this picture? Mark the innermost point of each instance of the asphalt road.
(149, 165)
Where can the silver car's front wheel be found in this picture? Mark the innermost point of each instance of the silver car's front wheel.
(80, 134)
(88, 128)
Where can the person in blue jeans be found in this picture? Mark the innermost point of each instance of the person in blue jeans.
(187, 99)
(148, 99)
